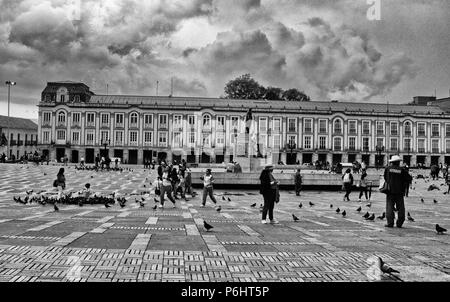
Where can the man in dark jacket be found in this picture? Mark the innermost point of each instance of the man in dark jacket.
(397, 178)
(298, 182)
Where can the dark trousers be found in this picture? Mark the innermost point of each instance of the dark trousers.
(208, 191)
(363, 190)
(269, 203)
(348, 190)
(398, 201)
(407, 190)
(298, 188)
(166, 190)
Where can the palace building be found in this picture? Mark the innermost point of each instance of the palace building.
(78, 123)
(17, 136)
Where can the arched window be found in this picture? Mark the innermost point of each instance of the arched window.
(61, 118)
(338, 126)
(134, 118)
(206, 121)
(62, 95)
(408, 128)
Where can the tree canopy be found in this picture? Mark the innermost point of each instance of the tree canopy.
(245, 87)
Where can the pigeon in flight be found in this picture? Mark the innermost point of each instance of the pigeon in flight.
(358, 209)
(366, 215)
(371, 217)
(410, 218)
(311, 204)
(295, 217)
(253, 205)
(440, 230)
(338, 210)
(207, 226)
(344, 213)
(382, 216)
(385, 268)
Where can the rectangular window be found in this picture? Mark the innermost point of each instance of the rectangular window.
(394, 128)
(191, 120)
(421, 129)
(177, 121)
(220, 122)
(263, 124)
(76, 117)
(119, 119)
(447, 130)
(352, 143)
(162, 139)
(104, 136)
(366, 127)
(337, 144)
(133, 137)
(263, 140)
(191, 139)
(276, 141)
(177, 139)
(407, 145)
(148, 120)
(352, 127)
(276, 125)
(163, 121)
(104, 120)
(307, 142)
(60, 135)
(307, 125)
(447, 146)
(235, 122)
(380, 128)
(90, 119)
(322, 142)
(47, 118)
(206, 140)
(220, 139)
(323, 126)
(435, 145)
(421, 145)
(119, 138)
(75, 137)
(394, 144)
(366, 144)
(148, 137)
(46, 137)
(90, 137)
(292, 127)
(435, 130)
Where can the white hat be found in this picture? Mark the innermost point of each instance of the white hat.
(268, 167)
(395, 158)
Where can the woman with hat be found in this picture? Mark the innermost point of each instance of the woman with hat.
(268, 190)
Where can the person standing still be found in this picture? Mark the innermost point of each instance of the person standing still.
(298, 182)
(60, 182)
(397, 179)
(347, 183)
(208, 181)
(268, 189)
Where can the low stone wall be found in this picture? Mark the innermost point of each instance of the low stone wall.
(224, 179)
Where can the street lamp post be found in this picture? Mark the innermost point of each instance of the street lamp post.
(379, 149)
(9, 84)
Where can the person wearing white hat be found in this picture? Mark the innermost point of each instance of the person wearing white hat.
(397, 179)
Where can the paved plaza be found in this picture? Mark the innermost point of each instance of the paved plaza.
(94, 243)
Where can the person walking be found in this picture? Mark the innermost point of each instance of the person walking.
(298, 182)
(60, 183)
(268, 189)
(181, 185)
(447, 179)
(166, 188)
(347, 182)
(175, 180)
(363, 185)
(188, 184)
(396, 178)
(208, 181)
(410, 179)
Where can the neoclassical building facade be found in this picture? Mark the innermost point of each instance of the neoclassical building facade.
(75, 122)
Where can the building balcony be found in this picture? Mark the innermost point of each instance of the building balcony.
(148, 144)
(134, 144)
(103, 126)
(61, 125)
(90, 125)
(19, 143)
(119, 125)
(148, 126)
(435, 151)
(13, 143)
(435, 134)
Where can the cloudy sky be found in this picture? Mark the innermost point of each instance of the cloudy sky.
(327, 48)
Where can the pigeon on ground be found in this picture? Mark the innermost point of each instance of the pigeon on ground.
(80, 203)
(371, 217)
(422, 200)
(141, 204)
(440, 230)
(55, 207)
(344, 213)
(385, 268)
(92, 176)
(410, 218)
(358, 209)
(122, 204)
(223, 197)
(155, 200)
(300, 205)
(107, 205)
(311, 204)
(295, 217)
(207, 226)
(253, 205)
(382, 216)
(366, 215)
(369, 204)
(15, 199)
(229, 199)
(219, 208)
(29, 192)
(338, 210)
(331, 206)
(154, 207)
(435, 201)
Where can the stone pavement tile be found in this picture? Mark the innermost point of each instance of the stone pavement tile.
(149, 276)
(102, 241)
